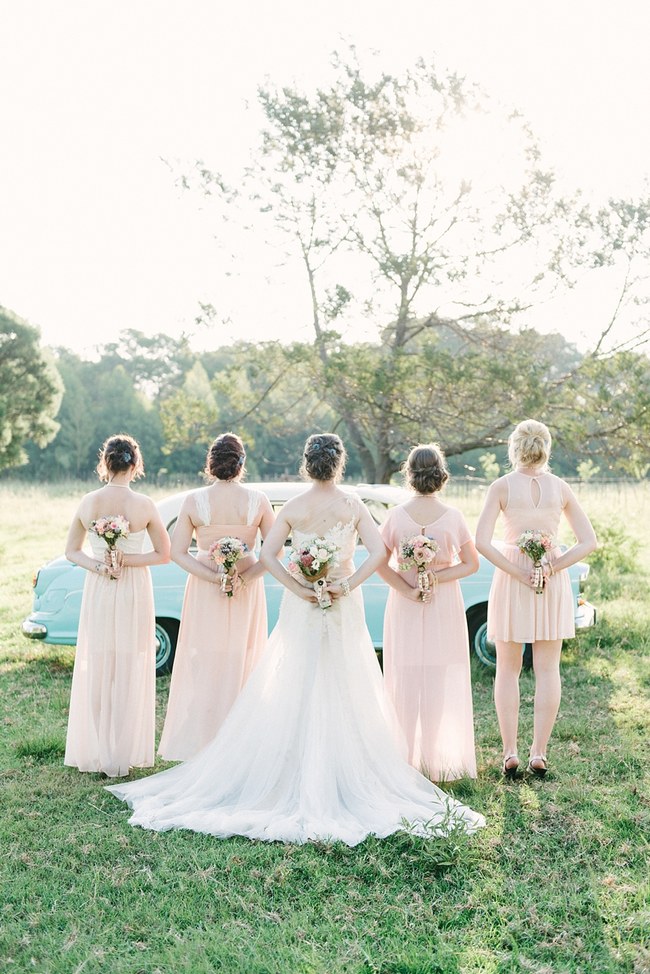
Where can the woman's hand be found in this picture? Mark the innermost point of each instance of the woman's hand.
(114, 570)
(548, 568)
(338, 590)
(305, 592)
(231, 582)
(414, 594)
(524, 575)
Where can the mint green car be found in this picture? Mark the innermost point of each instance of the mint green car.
(58, 587)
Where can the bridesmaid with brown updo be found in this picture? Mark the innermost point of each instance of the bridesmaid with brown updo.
(221, 636)
(426, 651)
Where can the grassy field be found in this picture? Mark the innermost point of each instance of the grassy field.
(557, 882)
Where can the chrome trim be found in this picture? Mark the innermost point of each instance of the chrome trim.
(34, 630)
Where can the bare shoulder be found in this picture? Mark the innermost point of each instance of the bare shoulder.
(498, 489)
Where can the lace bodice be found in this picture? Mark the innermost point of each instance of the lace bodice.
(344, 536)
(133, 544)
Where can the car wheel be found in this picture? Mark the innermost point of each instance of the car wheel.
(479, 645)
(166, 635)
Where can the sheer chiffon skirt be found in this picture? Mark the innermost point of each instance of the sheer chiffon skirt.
(219, 643)
(309, 751)
(111, 725)
(517, 614)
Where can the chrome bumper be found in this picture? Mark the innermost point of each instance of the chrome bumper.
(585, 614)
(34, 630)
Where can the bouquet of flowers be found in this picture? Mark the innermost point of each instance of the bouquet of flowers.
(312, 560)
(111, 528)
(535, 544)
(417, 552)
(227, 552)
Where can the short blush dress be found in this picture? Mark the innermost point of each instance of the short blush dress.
(220, 641)
(515, 612)
(426, 655)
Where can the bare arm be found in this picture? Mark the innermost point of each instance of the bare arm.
(181, 541)
(267, 522)
(467, 566)
(377, 553)
(493, 506)
(586, 540)
(159, 539)
(270, 561)
(74, 547)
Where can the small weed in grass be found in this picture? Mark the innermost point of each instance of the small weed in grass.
(43, 750)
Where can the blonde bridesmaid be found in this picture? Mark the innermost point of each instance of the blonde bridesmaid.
(530, 497)
(111, 723)
(426, 647)
(221, 636)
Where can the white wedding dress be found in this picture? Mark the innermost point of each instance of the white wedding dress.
(310, 750)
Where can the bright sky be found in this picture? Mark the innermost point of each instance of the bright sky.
(96, 237)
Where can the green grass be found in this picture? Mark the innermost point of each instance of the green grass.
(557, 882)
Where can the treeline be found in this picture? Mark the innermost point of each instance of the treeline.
(375, 189)
(466, 395)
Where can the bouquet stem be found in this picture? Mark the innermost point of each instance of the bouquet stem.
(538, 578)
(323, 596)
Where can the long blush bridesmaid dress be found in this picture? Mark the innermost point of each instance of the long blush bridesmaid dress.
(219, 642)
(111, 726)
(426, 655)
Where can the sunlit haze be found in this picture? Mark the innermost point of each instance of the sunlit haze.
(102, 104)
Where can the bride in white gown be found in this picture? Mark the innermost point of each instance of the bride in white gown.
(310, 749)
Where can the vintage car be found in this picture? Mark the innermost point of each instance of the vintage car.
(58, 587)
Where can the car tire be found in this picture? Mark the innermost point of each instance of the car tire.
(479, 645)
(166, 636)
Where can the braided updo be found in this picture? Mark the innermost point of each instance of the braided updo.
(118, 453)
(226, 458)
(324, 457)
(529, 444)
(425, 470)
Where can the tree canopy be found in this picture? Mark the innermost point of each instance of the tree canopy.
(30, 390)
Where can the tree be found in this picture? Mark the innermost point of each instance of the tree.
(189, 420)
(30, 390)
(412, 202)
(361, 182)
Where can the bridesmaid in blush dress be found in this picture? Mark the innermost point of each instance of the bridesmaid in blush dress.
(308, 751)
(426, 648)
(530, 497)
(221, 637)
(111, 723)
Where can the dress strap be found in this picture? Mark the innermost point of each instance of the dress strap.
(202, 501)
(254, 499)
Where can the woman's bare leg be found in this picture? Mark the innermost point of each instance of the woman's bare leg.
(548, 691)
(506, 693)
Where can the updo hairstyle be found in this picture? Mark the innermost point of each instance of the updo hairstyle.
(529, 445)
(324, 457)
(118, 453)
(226, 458)
(425, 470)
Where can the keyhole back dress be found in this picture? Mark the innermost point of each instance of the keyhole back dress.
(515, 612)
